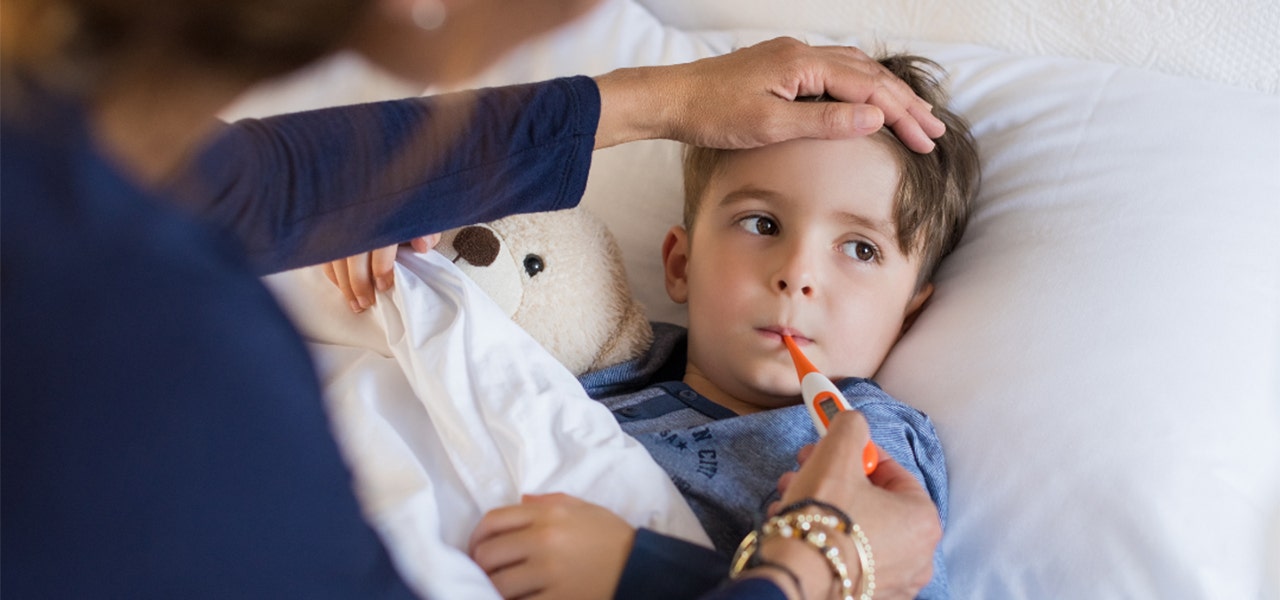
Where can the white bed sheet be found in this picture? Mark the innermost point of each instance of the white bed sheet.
(446, 409)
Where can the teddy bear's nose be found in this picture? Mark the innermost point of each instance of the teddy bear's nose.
(477, 245)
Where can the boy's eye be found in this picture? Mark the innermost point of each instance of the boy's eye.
(759, 225)
(863, 251)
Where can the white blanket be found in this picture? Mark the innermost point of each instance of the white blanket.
(446, 409)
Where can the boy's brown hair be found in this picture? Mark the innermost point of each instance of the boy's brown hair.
(935, 190)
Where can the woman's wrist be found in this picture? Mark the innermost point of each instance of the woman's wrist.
(807, 564)
(635, 104)
(838, 553)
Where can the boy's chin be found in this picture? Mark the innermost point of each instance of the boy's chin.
(778, 396)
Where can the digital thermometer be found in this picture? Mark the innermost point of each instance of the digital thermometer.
(824, 400)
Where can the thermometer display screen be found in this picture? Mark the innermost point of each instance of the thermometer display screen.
(828, 407)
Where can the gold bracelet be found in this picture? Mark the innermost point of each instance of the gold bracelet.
(805, 527)
(867, 585)
(746, 549)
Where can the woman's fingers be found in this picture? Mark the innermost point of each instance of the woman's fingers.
(382, 264)
(863, 83)
(359, 276)
(425, 243)
(754, 101)
(336, 271)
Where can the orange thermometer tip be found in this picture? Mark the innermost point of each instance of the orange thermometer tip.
(870, 458)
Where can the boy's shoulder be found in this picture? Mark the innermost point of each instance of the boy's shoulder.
(866, 396)
(905, 432)
(663, 361)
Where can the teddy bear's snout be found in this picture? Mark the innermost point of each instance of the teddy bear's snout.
(477, 245)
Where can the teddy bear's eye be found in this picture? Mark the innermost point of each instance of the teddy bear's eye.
(533, 264)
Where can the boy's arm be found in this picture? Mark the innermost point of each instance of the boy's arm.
(553, 545)
(559, 546)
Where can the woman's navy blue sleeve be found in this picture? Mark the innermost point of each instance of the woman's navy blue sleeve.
(749, 588)
(660, 566)
(309, 187)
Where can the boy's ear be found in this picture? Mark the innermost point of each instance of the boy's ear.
(675, 264)
(915, 306)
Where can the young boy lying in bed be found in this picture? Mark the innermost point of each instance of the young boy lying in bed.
(831, 242)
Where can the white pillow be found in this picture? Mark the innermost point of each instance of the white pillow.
(1101, 353)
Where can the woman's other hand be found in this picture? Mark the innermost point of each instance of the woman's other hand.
(745, 99)
(358, 276)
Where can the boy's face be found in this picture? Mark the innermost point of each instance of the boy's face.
(795, 238)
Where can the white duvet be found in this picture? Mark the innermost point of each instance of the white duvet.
(446, 409)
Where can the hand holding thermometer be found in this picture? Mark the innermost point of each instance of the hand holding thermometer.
(824, 400)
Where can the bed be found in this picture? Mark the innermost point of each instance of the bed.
(1102, 352)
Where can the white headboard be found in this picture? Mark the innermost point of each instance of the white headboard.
(1236, 42)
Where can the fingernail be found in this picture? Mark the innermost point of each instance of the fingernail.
(862, 120)
(355, 307)
(383, 284)
(364, 302)
(868, 117)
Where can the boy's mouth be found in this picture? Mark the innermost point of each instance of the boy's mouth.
(777, 331)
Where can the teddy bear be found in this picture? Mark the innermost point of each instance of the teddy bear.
(560, 276)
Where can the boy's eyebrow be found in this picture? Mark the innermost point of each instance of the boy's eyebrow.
(751, 191)
(884, 228)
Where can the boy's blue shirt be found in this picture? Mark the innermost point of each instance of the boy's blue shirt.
(727, 465)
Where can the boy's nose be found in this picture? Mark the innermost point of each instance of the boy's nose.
(794, 277)
(794, 286)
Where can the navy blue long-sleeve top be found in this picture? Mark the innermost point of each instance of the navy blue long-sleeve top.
(163, 429)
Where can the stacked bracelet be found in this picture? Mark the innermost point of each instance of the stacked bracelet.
(809, 528)
(845, 522)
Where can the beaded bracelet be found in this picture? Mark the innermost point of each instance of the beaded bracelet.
(802, 527)
(784, 525)
(845, 522)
